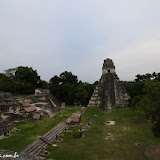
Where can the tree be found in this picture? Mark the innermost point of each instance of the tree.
(64, 86)
(156, 128)
(139, 78)
(27, 79)
(149, 103)
(54, 83)
(22, 80)
(43, 84)
(10, 73)
(68, 77)
(67, 88)
(81, 93)
(6, 83)
(145, 93)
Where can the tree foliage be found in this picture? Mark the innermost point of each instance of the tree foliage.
(20, 80)
(6, 83)
(145, 93)
(68, 89)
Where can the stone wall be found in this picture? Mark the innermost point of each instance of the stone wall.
(21, 108)
(4, 95)
(3, 127)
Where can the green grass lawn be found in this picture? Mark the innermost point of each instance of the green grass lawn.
(31, 129)
(130, 128)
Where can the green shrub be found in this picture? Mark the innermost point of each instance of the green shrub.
(156, 128)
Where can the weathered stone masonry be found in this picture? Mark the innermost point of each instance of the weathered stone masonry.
(109, 93)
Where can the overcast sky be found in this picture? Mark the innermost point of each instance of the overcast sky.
(53, 36)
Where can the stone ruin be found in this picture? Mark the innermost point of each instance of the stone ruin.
(41, 91)
(110, 92)
(63, 106)
(74, 119)
(5, 95)
(19, 109)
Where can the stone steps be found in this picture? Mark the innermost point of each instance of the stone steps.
(36, 147)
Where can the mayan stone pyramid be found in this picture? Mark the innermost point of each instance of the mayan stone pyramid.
(109, 93)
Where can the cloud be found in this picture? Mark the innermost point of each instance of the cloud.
(140, 56)
(54, 36)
